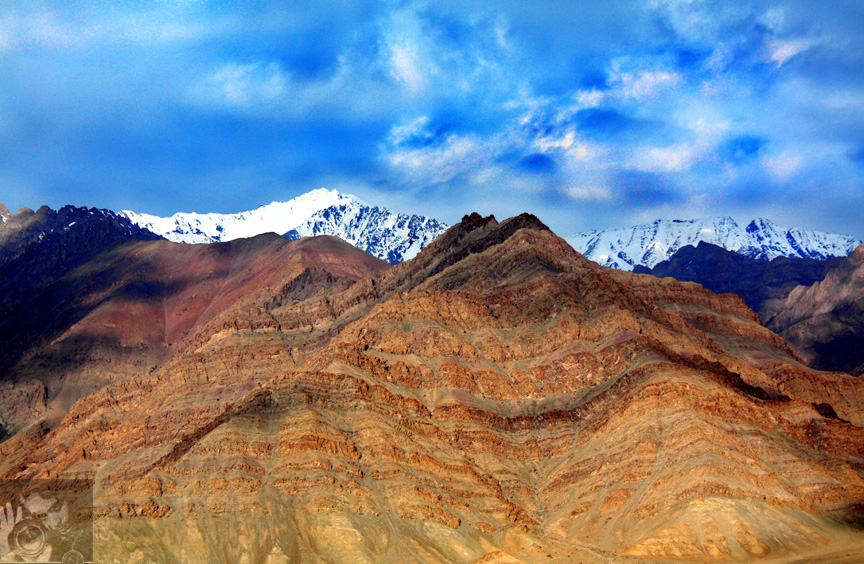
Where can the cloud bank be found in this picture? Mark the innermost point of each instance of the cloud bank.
(587, 114)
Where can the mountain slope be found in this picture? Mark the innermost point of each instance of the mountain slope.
(36, 250)
(755, 280)
(497, 399)
(126, 310)
(649, 244)
(387, 235)
(825, 321)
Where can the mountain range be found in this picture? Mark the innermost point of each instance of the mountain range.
(814, 304)
(647, 245)
(387, 235)
(396, 237)
(497, 399)
(754, 279)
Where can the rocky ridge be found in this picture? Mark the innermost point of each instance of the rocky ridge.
(825, 321)
(497, 399)
(36, 250)
(755, 280)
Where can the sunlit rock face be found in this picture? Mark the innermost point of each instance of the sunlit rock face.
(497, 399)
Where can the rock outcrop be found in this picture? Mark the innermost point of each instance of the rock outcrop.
(499, 398)
(825, 321)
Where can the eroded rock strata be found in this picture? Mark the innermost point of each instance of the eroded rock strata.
(497, 399)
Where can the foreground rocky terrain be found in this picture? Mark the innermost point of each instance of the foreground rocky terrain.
(497, 399)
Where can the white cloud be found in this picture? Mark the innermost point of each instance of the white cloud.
(6, 37)
(784, 166)
(244, 86)
(676, 158)
(412, 130)
(40, 27)
(779, 51)
(452, 156)
(589, 193)
(638, 84)
(704, 21)
(408, 49)
(407, 67)
(774, 19)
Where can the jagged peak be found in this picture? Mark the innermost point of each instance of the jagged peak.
(474, 220)
(473, 235)
(649, 244)
(525, 221)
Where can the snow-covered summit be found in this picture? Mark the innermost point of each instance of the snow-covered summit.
(651, 243)
(277, 217)
(390, 236)
(380, 232)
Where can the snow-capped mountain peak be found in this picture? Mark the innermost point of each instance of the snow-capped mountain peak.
(390, 236)
(380, 232)
(276, 217)
(651, 243)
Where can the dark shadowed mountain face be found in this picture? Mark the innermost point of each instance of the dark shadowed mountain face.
(498, 399)
(39, 247)
(36, 250)
(755, 280)
(825, 321)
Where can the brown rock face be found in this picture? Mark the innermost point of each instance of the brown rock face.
(825, 321)
(498, 398)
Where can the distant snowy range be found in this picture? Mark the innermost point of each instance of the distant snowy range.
(395, 237)
(651, 243)
(390, 236)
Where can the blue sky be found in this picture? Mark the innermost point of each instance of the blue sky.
(588, 114)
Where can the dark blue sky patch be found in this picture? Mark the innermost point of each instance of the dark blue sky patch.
(742, 148)
(538, 163)
(857, 156)
(642, 189)
(611, 125)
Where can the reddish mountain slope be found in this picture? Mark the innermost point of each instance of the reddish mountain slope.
(497, 399)
(128, 309)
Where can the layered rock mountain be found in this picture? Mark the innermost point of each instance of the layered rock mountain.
(649, 244)
(755, 280)
(387, 235)
(825, 321)
(497, 399)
